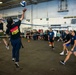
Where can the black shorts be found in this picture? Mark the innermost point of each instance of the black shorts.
(51, 40)
(1, 34)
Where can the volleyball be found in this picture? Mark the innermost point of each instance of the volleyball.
(23, 3)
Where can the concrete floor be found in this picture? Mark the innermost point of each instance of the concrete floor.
(37, 58)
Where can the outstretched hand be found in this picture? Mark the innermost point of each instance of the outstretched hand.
(22, 17)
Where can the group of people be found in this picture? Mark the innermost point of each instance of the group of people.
(13, 29)
(36, 34)
(68, 40)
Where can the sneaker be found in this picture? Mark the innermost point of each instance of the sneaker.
(16, 64)
(49, 44)
(13, 59)
(7, 47)
(53, 48)
(62, 62)
(62, 53)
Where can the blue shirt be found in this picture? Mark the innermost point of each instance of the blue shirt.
(72, 39)
(51, 35)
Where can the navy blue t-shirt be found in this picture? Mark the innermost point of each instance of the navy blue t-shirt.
(51, 34)
(72, 39)
(14, 30)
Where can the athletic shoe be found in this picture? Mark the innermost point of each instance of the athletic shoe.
(62, 53)
(7, 47)
(16, 64)
(13, 59)
(49, 44)
(53, 48)
(62, 62)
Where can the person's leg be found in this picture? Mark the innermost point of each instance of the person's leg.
(13, 50)
(57, 38)
(67, 58)
(5, 42)
(75, 53)
(62, 53)
(50, 44)
(64, 49)
(61, 39)
(17, 47)
(53, 44)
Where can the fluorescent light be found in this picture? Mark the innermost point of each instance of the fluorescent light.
(1, 2)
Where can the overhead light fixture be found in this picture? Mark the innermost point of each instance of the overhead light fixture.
(1, 2)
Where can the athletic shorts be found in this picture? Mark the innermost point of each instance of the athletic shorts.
(68, 44)
(74, 49)
(51, 40)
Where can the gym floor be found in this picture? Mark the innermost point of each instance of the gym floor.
(36, 58)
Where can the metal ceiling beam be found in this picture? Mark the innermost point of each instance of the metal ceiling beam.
(14, 3)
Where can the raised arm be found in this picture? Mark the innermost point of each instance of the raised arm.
(22, 17)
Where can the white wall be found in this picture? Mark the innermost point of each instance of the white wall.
(44, 10)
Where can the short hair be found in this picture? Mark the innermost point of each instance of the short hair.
(50, 28)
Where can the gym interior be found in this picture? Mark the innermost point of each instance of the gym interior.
(36, 56)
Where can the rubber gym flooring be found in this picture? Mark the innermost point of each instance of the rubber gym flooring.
(36, 58)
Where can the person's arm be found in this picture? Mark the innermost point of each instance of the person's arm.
(53, 35)
(22, 17)
(68, 42)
